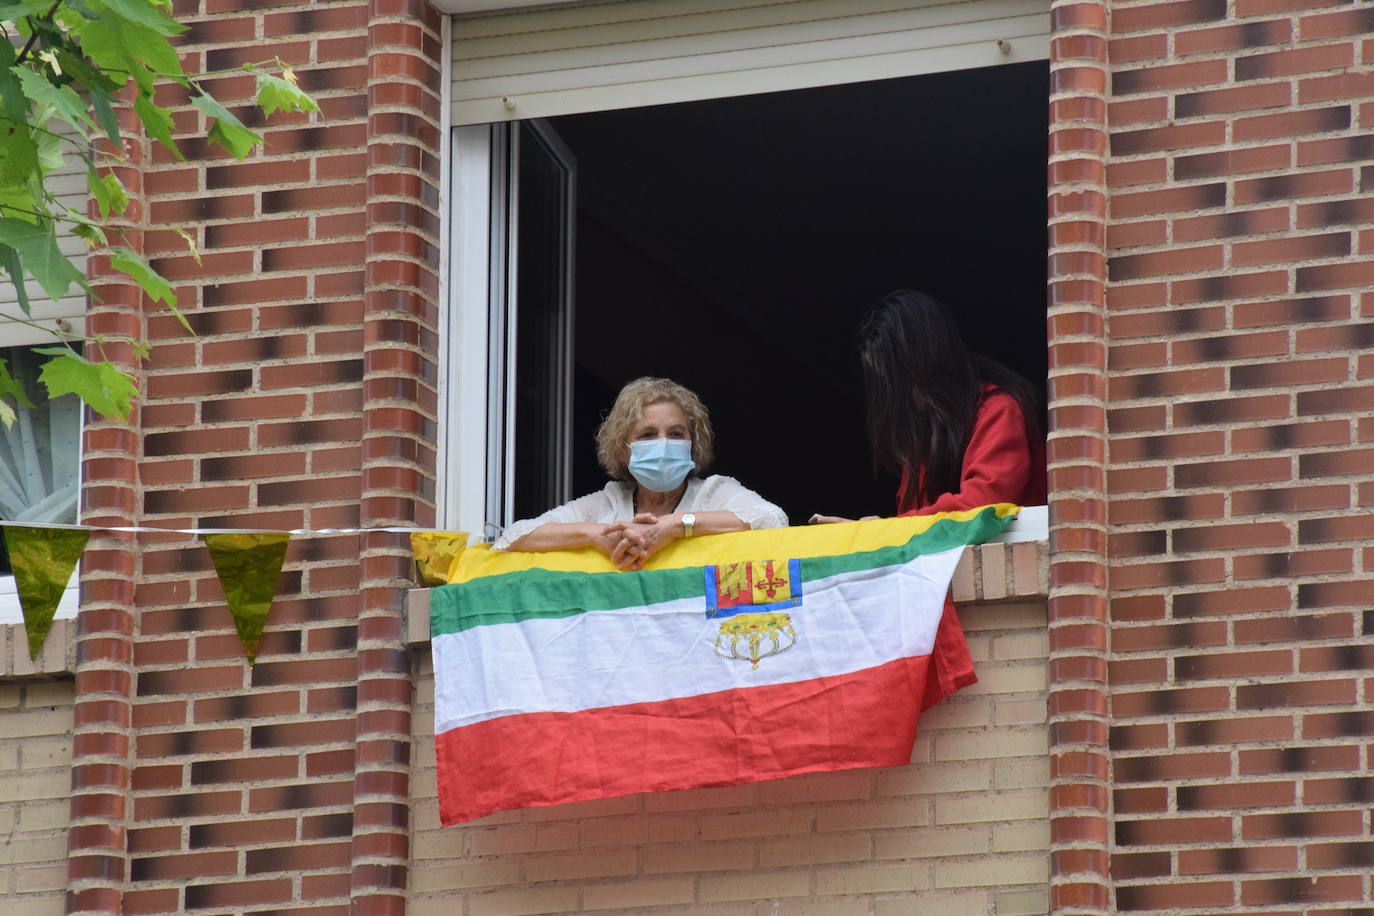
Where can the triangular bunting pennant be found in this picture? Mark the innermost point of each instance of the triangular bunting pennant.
(249, 568)
(43, 560)
(435, 552)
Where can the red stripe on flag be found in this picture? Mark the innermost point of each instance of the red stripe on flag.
(951, 668)
(862, 719)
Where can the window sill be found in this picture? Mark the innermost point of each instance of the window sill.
(12, 612)
(57, 658)
(986, 574)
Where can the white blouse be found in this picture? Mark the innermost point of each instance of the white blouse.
(615, 503)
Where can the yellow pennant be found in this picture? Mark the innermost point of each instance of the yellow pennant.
(43, 560)
(435, 552)
(249, 569)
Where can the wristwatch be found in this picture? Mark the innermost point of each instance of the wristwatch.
(689, 521)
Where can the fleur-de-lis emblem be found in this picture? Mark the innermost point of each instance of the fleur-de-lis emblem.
(770, 583)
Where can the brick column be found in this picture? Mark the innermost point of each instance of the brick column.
(1241, 262)
(400, 391)
(1077, 459)
(97, 842)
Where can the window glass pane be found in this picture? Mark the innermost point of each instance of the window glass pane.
(734, 244)
(540, 349)
(39, 454)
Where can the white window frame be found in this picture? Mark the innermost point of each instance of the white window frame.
(465, 491)
(477, 495)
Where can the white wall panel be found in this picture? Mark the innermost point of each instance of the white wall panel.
(69, 183)
(600, 56)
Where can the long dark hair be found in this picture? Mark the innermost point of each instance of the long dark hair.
(922, 388)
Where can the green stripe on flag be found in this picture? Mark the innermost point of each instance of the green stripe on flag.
(945, 534)
(538, 593)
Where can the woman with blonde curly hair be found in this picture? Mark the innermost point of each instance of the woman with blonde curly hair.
(656, 444)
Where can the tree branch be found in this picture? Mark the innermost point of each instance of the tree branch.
(28, 46)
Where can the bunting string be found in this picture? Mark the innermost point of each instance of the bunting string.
(247, 562)
(293, 532)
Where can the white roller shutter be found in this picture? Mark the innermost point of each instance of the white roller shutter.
(69, 183)
(599, 56)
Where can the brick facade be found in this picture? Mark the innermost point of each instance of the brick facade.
(35, 784)
(1207, 627)
(1076, 451)
(1239, 366)
(963, 829)
(305, 399)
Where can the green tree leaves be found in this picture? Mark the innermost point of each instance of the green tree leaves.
(280, 93)
(157, 121)
(60, 98)
(141, 12)
(108, 192)
(128, 261)
(120, 46)
(10, 388)
(62, 65)
(44, 261)
(108, 390)
(227, 130)
(18, 153)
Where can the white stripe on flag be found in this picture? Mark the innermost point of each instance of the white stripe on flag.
(847, 622)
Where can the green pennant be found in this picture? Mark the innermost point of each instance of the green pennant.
(249, 568)
(43, 560)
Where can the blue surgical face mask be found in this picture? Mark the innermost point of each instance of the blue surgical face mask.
(661, 465)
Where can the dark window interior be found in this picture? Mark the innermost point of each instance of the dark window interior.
(733, 245)
(538, 346)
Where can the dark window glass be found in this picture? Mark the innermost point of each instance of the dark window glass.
(541, 274)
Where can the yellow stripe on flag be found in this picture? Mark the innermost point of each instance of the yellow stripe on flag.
(793, 543)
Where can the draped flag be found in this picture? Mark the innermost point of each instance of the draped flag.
(43, 560)
(248, 567)
(732, 658)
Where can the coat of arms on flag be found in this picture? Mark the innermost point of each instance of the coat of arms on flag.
(738, 592)
(756, 585)
(558, 678)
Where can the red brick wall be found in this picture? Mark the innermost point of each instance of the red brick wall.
(242, 783)
(306, 398)
(1076, 452)
(400, 419)
(1241, 377)
(1211, 222)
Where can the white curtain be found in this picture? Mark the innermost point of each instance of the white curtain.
(39, 454)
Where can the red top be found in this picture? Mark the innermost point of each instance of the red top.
(1001, 463)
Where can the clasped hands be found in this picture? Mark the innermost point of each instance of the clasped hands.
(631, 544)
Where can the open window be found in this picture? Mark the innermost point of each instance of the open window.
(732, 243)
(511, 395)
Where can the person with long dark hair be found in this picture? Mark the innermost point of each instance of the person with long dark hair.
(961, 430)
